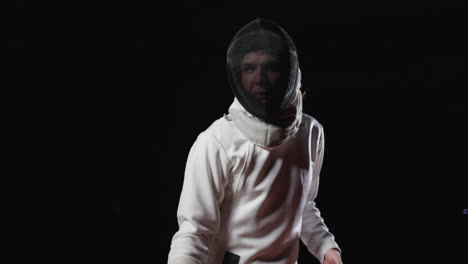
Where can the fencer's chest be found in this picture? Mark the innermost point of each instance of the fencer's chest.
(277, 177)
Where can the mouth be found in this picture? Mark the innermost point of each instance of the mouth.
(261, 93)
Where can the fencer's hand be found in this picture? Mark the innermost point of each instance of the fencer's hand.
(332, 256)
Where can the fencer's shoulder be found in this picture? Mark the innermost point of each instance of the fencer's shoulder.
(222, 129)
(311, 121)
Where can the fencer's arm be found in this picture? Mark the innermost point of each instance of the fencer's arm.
(314, 233)
(185, 260)
(198, 212)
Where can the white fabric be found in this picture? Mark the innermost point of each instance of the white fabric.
(185, 260)
(262, 133)
(250, 195)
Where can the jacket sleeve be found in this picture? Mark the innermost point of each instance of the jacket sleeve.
(314, 233)
(198, 212)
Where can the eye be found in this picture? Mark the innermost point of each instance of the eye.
(249, 68)
(271, 67)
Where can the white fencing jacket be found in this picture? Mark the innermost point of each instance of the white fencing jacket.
(247, 200)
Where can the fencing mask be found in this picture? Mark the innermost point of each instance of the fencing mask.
(263, 69)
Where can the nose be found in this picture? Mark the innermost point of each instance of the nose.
(259, 76)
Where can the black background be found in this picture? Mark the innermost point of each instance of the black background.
(105, 100)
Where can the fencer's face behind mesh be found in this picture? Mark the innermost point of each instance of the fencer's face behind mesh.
(262, 69)
(261, 75)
